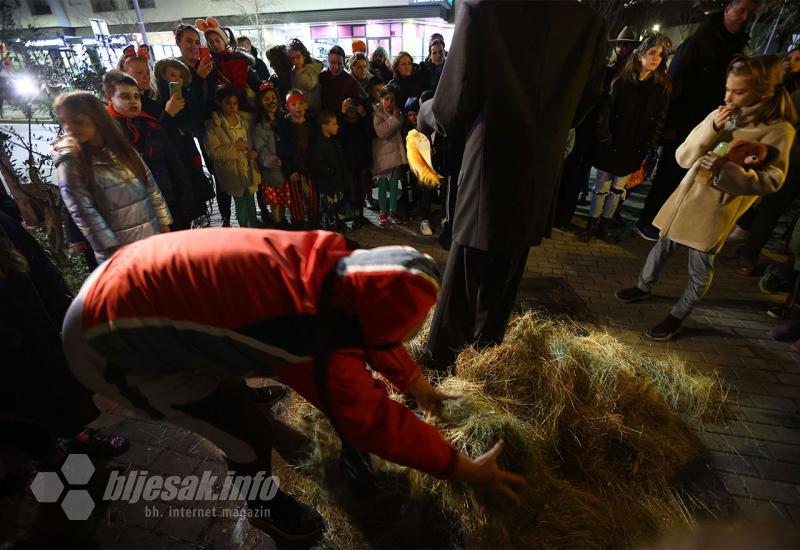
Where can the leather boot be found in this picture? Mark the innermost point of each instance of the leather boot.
(591, 229)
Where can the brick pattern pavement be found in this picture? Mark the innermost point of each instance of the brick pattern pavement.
(756, 456)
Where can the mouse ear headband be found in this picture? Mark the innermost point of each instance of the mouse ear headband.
(131, 51)
(210, 25)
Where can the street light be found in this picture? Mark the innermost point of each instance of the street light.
(656, 27)
(27, 88)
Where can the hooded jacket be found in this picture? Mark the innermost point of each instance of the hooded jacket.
(388, 150)
(701, 214)
(112, 207)
(262, 289)
(235, 173)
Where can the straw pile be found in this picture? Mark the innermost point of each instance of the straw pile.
(595, 427)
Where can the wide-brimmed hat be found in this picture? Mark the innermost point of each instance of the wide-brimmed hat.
(627, 34)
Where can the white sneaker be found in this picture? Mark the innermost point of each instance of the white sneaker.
(425, 228)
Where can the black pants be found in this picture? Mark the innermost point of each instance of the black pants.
(478, 293)
(668, 177)
(574, 179)
(231, 409)
(765, 217)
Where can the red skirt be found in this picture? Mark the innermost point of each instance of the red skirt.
(277, 196)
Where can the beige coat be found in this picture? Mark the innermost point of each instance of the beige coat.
(702, 211)
(234, 172)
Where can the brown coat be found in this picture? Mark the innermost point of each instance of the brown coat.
(700, 214)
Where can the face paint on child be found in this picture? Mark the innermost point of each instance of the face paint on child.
(127, 100)
(269, 101)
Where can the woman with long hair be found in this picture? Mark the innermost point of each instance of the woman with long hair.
(410, 79)
(791, 66)
(434, 64)
(629, 125)
(107, 189)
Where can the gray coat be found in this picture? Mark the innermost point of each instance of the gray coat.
(388, 149)
(113, 207)
(515, 121)
(263, 140)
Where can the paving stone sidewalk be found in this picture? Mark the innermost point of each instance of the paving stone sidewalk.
(757, 456)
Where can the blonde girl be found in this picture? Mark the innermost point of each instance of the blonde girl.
(716, 192)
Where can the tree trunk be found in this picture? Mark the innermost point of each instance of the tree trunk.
(32, 215)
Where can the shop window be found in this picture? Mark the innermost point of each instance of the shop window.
(143, 4)
(345, 31)
(39, 7)
(99, 6)
(359, 30)
(378, 29)
(396, 29)
(324, 31)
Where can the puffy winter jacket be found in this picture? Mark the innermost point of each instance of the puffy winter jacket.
(307, 81)
(388, 150)
(235, 173)
(261, 291)
(112, 207)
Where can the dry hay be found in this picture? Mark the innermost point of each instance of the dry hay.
(595, 427)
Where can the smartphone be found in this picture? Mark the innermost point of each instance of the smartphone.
(205, 55)
(175, 90)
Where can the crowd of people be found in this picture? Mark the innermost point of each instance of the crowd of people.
(301, 146)
(171, 325)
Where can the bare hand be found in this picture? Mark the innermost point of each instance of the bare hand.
(79, 247)
(493, 480)
(346, 104)
(277, 162)
(429, 398)
(253, 155)
(294, 177)
(174, 105)
(241, 145)
(723, 115)
(165, 229)
(361, 110)
(205, 68)
(712, 162)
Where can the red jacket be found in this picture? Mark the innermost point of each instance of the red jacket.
(262, 288)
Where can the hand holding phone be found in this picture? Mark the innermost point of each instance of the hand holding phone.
(175, 90)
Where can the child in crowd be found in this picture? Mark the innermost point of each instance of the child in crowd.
(426, 192)
(356, 137)
(232, 67)
(295, 134)
(153, 143)
(228, 145)
(135, 61)
(715, 192)
(388, 153)
(376, 84)
(630, 118)
(107, 189)
(274, 188)
(179, 127)
(305, 75)
(331, 174)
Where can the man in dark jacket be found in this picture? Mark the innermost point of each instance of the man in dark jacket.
(698, 72)
(515, 124)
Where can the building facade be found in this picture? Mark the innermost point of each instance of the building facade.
(397, 25)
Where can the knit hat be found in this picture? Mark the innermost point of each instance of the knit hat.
(359, 46)
(210, 25)
(412, 104)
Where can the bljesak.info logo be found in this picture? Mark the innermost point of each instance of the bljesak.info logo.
(69, 486)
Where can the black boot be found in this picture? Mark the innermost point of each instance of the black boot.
(591, 230)
(285, 517)
(604, 232)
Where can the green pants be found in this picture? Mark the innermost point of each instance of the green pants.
(388, 181)
(246, 210)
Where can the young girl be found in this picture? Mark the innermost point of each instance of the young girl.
(305, 75)
(715, 192)
(274, 189)
(228, 145)
(295, 134)
(629, 124)
(135, 61)
(388, 153)
(232, 67)
(107, 189)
